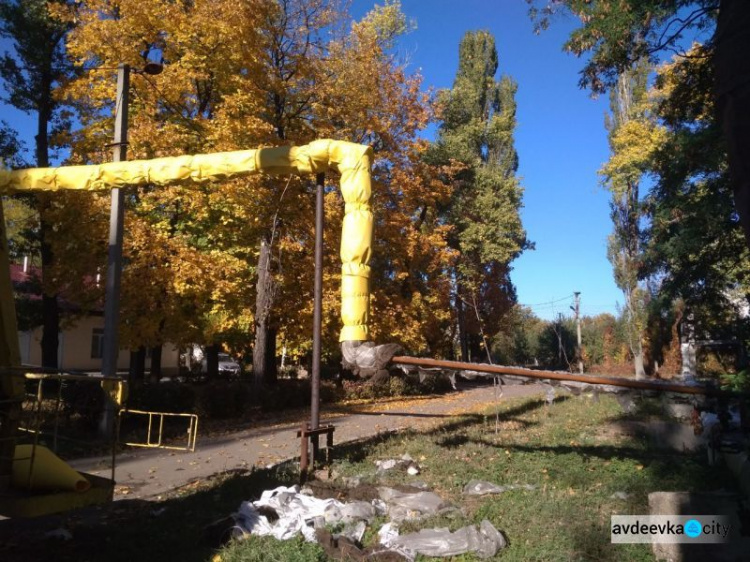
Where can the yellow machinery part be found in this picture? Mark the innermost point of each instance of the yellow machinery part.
(352, 161)
(117, 391)
(49, 471)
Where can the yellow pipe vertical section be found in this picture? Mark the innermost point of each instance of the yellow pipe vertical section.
(352, 161)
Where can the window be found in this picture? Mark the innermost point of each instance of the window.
(97, 343)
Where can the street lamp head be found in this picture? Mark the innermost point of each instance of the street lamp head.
(153, 68)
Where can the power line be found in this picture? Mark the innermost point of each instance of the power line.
(548, 302)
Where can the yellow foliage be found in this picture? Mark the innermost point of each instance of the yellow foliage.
(240, 75)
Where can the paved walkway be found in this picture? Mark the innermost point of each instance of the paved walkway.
(143, 473)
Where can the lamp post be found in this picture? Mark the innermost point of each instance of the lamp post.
(111, 349)
(116, 216)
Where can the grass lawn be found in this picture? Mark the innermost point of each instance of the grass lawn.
(572, 452)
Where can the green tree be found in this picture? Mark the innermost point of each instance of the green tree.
(557, 344)
(517, 343)
(10, 148)
(618, 33)
(478, 120)
(37, 65)
(695, 247)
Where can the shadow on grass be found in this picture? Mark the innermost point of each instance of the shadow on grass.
(173, 529)
(138, 530)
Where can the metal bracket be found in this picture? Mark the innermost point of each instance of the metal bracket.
(306, 434)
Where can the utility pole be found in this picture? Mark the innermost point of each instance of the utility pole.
(116, 215)
(577, 310)
(111, 348)
(558, 333)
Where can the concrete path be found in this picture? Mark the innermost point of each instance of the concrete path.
(143, 473)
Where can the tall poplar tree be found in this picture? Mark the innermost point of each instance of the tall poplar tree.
(627, 124)
(478, 122)
(617, 33)
(37, 65)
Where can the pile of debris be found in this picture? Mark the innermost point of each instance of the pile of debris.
(339, 526)
(286, 512)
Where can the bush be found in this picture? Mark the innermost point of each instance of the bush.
(365, 390)
(436, 384)
(223, 399)
(85, 400)
(399, 386)
(738, 382)
(330, 392)
(402, 385)
(170, 397)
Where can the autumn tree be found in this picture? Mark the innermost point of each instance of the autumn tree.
(170, 283)
(244, 75)
(478, 119)
(633, 136)
(293, 52)
(36, 66)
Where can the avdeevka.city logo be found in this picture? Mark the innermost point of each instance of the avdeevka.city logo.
(702, 529)
(693, 528)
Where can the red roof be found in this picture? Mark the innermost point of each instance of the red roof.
(23, 282)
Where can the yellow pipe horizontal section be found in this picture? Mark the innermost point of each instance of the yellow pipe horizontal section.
(352, 161)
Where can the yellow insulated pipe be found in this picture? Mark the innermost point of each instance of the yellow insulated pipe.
(352, 161)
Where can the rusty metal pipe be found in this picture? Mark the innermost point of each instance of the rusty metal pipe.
(317, 305)
(559, 376)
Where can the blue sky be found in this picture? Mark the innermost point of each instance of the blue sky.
(560, 139)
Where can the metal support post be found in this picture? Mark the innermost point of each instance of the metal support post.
(317, 311)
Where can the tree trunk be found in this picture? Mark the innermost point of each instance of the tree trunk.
(50, 308)
(462, 336)
(732, 91)
(137, 371)
(270, 375)
(640, 372)
(263, 303)
(212, 361)
(156, 362)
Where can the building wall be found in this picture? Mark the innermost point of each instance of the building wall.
(75, 349)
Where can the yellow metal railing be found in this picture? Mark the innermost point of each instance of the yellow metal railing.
(157, 443)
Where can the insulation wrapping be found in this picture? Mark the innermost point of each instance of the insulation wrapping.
(352, 161)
